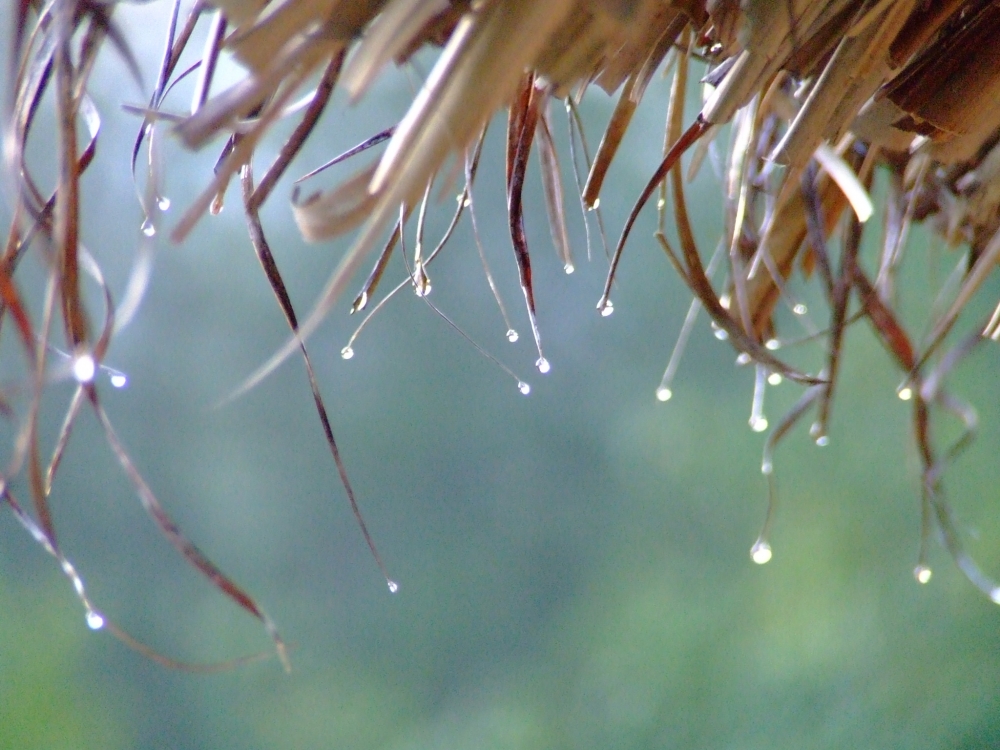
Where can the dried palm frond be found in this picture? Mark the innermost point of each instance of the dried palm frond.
(820, 95)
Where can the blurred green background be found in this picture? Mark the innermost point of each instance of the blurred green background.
(573, 565)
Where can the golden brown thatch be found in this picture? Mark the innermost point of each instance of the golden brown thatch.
(819, 93)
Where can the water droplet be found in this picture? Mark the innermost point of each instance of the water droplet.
(758, 424)
(95, 620)
(800, 309)
(772, 345)
(597, 205)
(660, 203)
(119, 379)
(766, 467)
(822, 440)
(148, 228)
(543, 365)
(217, 202)
(922, 573)
(664, 394)
(774, 378)
(569, 268)
(523, 387)
(422, 289)
(84, 368)
(347, 352)
(905, 393)
(163, 203)
(512, 335)
(393, 587)
(760, 553)
(360, 303)
(742, 359)
(608, 308)
(720, 334)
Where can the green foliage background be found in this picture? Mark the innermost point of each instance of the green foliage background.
(574, 565)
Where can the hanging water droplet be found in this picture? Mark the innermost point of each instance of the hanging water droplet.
(84, 368)
(760, 553)
(660, 203)
(347, 352)
(742, 359)
(772, 345)
(422, 289)
(148, 228)
(663, 393)
(758, 424)
(393, 587)
(597, 205)
(608, 308)
(774, 378)
(523, 387)
(720, 334)
(119, 379)
(95, 621)
(800, 309)
(922, 573)
(163, 203)
(905, 393)
(766, 467)
(817, 434)
(543, 365)
(217, 202)
(512, 335)
(569, 268)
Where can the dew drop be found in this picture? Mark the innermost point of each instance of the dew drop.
(512, 335)
(922, 573)
(774, 378)
(361, 303)
(742, 359)
(119, 379)
(772, 345)
(664, 394)
(569, 268)
(905, 393)
(523, 387)
(608, 308)
(760, 553)
(95, 620)
(347, 352)
(148, 228)
(822, 440)
(543, 365)
(422, 289)
(720, 334)
(660, 203)
(758, 424)
(597, 205)
(163, 203)
(217, 202)
(725, 300)
(84, 368)
(766, 468)
(800, 309)
(393, 587)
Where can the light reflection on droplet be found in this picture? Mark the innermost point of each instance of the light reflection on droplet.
(84, 368)
(148, 228)
(163, 203)
(774, 378)
(664, 394)
(905, 393)
(393, 587)
(725, 300)
(922, 573)
(822, 440)
(758, 424)
(597, 205)
(569, 268)
(347, 352)
(422, 289)
(720, 334)
(766, 467)
(523, 387)
(95, 621)
(772, 345)
(742, 359)
(512, 335)
(361, 303)
(660, 203)
(608, 308)
(760, 553)
(543, 365)
(119, 379)
(800, 309)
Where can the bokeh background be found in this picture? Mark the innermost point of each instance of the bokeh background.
(573, 565)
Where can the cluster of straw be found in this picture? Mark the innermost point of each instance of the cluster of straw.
(818, 93)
